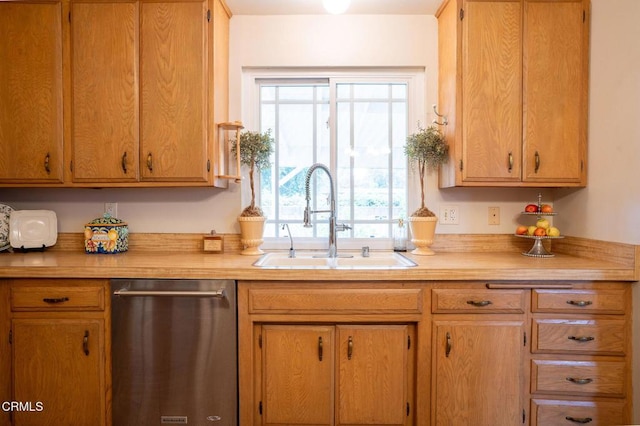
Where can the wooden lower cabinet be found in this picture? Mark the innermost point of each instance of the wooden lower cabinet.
(58, 367)
(478, 346)
(581, 355)
(60, 345)
(478, 372)
(347, 374)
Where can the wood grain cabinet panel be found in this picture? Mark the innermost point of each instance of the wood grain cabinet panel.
(563, 412)
(602, 337)
(478, 301)
(104, 79)
(31, 108)
(58, 298)
(600, 301)
(593, 378)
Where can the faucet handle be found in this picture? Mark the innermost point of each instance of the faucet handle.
(342, 227)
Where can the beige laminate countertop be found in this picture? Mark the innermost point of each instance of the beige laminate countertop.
(442, 266)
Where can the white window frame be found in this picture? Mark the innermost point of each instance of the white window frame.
(413, 76)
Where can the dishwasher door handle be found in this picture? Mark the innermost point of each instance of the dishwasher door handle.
(154, 293)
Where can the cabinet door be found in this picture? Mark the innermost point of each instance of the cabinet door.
(59, 363)
(491, 91)
(174, 91)
(31, 92)
(373, 375)
(555, 91)
(297, 374)
(104, 78)
(478, 376)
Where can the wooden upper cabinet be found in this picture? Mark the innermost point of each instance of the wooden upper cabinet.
(31, 87)
(104, 77)
(492, 91)
(174, 53)
(555, 91)
(513, 86)
(143, 94)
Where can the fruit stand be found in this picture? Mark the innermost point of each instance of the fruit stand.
(539, 232)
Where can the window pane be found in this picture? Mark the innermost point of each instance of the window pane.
(370, 173)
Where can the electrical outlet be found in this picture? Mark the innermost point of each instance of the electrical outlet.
(449, 215)
(111, 209)
(494, 215)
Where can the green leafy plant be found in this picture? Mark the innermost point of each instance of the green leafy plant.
(426, 149)
(255, 152)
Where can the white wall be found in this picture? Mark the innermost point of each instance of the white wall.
(609, 207)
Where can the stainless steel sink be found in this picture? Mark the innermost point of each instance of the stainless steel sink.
(346, 260)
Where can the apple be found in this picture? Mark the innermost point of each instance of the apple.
(531, 208)
(540, 232)
(543, 223)
(553, 231)
(546, 208)
(521, 230)
(531, 229)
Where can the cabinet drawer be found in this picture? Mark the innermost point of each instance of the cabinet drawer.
(329, 301)
(583, 301)
(57, 298)
(564, 413)
(601, 337)
(605, 378)
(477, 301)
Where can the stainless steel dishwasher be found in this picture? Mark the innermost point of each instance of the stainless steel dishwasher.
(174, 352)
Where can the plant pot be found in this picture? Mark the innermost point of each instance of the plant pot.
(251, 231)
(423, 230)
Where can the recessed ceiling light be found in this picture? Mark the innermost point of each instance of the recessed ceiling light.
(336, 7)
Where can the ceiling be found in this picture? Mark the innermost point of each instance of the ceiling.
(314, 7)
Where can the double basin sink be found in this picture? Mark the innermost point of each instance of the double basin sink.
(345, 260)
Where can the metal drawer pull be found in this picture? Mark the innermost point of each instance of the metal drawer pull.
(537, 162)
(510, 160)
(581, 420)
(479, 303)
(85, 343)
(55, 300)
(124, 162)
(582, 338)
(125, 292)
(580, 303)
(320, 348)
(350, 347)
(150, 162)
(447, 350)
(579, 381)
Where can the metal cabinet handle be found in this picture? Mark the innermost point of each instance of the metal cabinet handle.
(479, 303)
(46, 163)
(510, 160)
(581, 420)
(52, 300)
(447, 350)
(150, 293)
(579, 381)
(320, 348)
(150, 162)
(580, 303)
(537, 161)
(581, 338)
(85, 343)
(350, 347)
(124, 162)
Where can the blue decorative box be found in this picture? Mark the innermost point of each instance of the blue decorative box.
(106, 235)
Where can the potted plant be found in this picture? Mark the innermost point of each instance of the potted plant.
(427, 149)
(255, 152)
